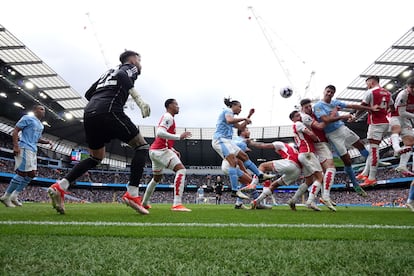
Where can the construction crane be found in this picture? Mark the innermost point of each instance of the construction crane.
(282, 62)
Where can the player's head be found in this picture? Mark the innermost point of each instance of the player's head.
(372, 81)
(234, 105)
(39, 111)
(306, 105)
(131, 57)
(410, 85)
(172, 106)
(328, 93)
(243, 132)
(294, 116)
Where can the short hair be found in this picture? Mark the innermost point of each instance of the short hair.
(410, 81)
(332, 87)
(305, 101)
(229, 103)
(168, 102)
(292, 114)
(240, 130)
(372, 77)
(35, 106)
(125, 55)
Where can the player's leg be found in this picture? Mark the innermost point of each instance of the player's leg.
(410, 200)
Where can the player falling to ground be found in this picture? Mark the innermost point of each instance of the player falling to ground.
(404, 105)
(311, 168)
(378, 126)
(340, 136)
(288, 167)
(105, 120)
(25, 154)
(224, 146)
(164, 156)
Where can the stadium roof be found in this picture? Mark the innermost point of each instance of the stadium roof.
(25, 69)
(393, 67)
(25, 80)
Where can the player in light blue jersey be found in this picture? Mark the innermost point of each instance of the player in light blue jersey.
(25, 154)
(339, 135)
(223, 144)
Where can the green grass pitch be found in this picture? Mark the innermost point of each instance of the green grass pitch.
(112, 239)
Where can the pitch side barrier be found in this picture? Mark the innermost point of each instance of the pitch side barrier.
(42, 181)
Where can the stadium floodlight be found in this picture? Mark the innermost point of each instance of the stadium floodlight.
(68, 116)
(29, 85)
(3, 95)
(389, 86)
(406, 73)
(18, 105)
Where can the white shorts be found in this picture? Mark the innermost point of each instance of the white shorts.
(377, 132)
(342, 139)
(394, 121)
(288, 169)
(310, 164)
(162, 159)
(224, 147)
(407, 132)
(26, 161)
(323, 151)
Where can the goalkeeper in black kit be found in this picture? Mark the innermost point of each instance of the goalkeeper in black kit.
(105, 120)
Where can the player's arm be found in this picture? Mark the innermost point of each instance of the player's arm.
(15, 138)
(44, 141)
(238, 123)
(312, 135)
(163, 133)
(402, 110)
(260, 145)
(125, 82)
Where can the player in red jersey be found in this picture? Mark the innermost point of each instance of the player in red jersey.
(312, 169)
(288, 167)
(404, 105)
(163, 155)
(378, 126)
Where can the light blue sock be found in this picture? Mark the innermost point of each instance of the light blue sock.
(14, 183)
(351, 174)
(233, 179)
(411, 193)
(251, 166)
(23, 184)
(364, 152)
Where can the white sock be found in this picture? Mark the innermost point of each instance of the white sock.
(328, 180)
(300, 191)
(149, 191)
(179, 181)
(266, 192)
(395, 142)
(373, 166)
(64, 184)
(404, 159)
(316, 186)
(367, 166)
(133, 190)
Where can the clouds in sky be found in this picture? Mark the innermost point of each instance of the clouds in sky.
(202, 51)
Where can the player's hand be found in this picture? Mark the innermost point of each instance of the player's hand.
(375, 108)
(185, 135)
(352, 118)
(248, 121)
(145, 109)
(16, 150)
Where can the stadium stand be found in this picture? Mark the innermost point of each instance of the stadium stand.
(19, 66)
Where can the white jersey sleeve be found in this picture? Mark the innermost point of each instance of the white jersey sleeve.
(307, 120)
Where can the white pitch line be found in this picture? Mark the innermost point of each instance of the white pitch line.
(212, 225)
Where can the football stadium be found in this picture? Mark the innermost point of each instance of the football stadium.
(99, 235)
